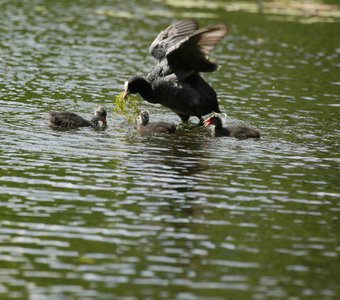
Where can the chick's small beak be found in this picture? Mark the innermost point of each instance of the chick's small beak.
(103, 119)
(207, 122)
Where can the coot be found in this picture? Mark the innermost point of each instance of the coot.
(182, 51)
(144, 126)
(240, 132)
(70, 120)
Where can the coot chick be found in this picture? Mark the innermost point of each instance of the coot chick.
(240, 132)
(143, 125)
(182, 51)
(70, 120)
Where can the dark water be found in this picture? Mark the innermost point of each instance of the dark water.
(110, 214)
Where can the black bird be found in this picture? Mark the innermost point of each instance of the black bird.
(240, 132)
(182, 52)
(143, 125)
(70, 120)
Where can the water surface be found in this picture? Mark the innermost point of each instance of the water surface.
(110, 214)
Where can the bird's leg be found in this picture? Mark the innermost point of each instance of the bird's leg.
(199, 124)
(184, 118)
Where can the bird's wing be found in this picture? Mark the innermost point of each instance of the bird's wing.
(171, 36)
(191, 54)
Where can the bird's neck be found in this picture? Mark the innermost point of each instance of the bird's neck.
(95, 121)
(141, 123)
(145, 89)
(222, 131)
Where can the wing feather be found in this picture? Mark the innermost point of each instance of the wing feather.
(171, 36)
(192, 52)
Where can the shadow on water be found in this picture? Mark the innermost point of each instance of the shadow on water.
(169, 166)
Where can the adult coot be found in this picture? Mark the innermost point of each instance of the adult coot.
(182, 51)
(144, 126)
(70, 120)
(240, 132)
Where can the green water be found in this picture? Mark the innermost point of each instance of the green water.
(111, 214)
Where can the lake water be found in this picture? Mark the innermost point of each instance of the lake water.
(111, 214)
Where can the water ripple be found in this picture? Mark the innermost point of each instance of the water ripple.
(102, 214)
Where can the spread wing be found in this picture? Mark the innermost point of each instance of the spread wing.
(192, 53)
(171, 36)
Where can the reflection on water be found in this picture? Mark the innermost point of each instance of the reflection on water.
(103, 214)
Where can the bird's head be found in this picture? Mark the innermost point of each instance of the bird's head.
(99, 114)
(143, 118)
(214, 120)
(136, 84)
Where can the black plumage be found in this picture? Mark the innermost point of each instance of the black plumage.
(182, 53)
